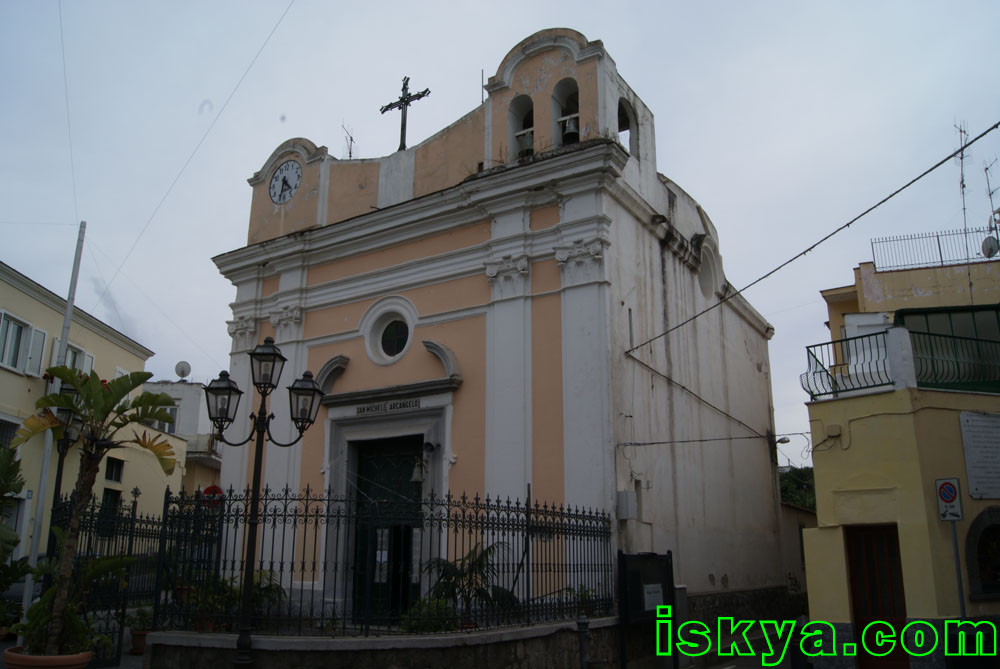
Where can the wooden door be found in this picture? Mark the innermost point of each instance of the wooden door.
(876, 581)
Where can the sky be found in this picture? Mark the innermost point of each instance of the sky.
(783, 119)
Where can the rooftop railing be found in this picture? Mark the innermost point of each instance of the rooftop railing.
(929, 249)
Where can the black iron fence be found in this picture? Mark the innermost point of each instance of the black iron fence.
(106, 530)
(330, 564)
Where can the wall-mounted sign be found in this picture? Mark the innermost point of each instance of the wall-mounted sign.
(981, 440)
(387, 407)
(949, 499)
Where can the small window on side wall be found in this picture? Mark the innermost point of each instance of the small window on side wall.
(628, 130)
(521, 122)
(113, 469)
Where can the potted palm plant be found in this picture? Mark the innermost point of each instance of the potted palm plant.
(140, 623)
(97, 415)
(469, 582)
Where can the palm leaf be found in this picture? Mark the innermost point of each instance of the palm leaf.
(35, 425)
(160, 448)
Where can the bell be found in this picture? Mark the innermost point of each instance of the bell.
(571, 133)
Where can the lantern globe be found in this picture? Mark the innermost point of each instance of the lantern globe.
(266, 363)
(222, 396)
(304, 396)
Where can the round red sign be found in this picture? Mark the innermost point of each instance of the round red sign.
(212, 495)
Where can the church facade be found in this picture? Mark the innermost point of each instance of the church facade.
(476, 309)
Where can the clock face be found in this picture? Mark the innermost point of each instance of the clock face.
(285, 181)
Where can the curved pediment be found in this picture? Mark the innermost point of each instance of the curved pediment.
(543, 40)
(299, 147)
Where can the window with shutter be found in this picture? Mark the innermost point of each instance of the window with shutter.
(34, 364)
(75, 357)
(15, 341)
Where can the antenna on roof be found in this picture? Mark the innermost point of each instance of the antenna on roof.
(994, 211)
(963, 137)
(991, 245)
(348, 141)
(182, 369)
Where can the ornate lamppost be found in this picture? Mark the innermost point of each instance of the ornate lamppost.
(223, 397)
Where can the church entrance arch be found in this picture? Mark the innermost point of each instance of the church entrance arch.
(388, 506)
(385, 455)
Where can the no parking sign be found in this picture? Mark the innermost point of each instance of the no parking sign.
(949, 499)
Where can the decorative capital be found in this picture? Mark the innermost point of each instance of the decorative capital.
(508, 276)
(582, 261)
(286, 321)
(243, 331)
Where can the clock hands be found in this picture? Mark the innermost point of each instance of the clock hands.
(285, 185)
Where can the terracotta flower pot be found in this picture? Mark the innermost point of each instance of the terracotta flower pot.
(138, 642)
(13, 658)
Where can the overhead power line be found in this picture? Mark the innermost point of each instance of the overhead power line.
(187, 162)
(823, 239)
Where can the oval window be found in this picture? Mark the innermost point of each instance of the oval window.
(394, 338)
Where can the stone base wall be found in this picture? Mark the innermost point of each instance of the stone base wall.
(762, 604)
(553, 646)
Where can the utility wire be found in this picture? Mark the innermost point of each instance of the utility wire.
(36, 223)
(187, 162)
(825, 238)
(697, 397)
(696, 441)
(153, 303)
(686, 441)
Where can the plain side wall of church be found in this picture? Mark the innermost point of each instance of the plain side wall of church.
(709, 502)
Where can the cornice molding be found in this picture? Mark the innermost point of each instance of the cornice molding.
(476, 198)
(419, 389)
(49, 299)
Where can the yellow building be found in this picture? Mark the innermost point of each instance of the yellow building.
(906, 395)
(32, 318)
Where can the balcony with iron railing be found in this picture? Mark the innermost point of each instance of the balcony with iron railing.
(898, 358)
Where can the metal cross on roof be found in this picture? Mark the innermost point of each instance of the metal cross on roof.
(402, 103)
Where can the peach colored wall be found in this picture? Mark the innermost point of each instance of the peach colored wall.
(450, 155)
(547, 463)
(544, 217)
(417, 364)
(467, 340)
(353, 189)
(452, 240)
(269, 285)
(334, 320)
(536, 77)
(436, 298)
(269, 220)
(545, 276)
